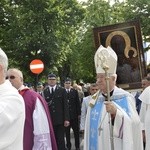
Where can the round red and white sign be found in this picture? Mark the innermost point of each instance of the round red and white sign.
(36, 66)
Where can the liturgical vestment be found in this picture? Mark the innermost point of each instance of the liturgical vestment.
(127, 133)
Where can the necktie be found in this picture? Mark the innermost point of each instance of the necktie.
(52, 90)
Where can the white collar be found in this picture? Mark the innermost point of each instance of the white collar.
(54, 87)
(23, 87)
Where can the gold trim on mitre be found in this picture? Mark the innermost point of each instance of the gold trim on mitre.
(105, 58)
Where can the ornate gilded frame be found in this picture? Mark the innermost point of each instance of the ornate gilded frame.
(126, 40)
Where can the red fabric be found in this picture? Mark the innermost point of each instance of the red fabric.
(21, 92)
(30, 97)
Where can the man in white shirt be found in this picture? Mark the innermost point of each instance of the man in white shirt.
(144, 116)
(93, 88)
(12, 111)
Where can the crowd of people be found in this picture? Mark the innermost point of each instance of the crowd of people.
(100, 116)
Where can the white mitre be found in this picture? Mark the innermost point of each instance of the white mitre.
(105, 57)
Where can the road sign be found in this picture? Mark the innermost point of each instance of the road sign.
(36, 66)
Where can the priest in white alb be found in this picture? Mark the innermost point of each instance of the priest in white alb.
(12, 111)
(145, 116)
(112, 122)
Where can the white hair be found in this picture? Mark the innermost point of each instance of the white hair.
(114, 75)
(20, 74)
(3, 60)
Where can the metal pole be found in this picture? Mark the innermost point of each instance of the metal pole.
(36, 81)
(108, 98)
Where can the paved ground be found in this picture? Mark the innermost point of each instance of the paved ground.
(72, 141)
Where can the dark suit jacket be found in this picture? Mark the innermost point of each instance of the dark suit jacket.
(58, 105)
(74, 104)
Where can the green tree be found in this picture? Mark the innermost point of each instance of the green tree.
(60, 32)
(38, 29)
(101, 13)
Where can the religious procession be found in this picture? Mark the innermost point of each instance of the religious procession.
(61, 91)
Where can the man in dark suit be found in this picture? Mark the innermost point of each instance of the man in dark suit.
(75, 112)
(58, 107)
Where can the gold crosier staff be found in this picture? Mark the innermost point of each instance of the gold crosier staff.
(104, 57)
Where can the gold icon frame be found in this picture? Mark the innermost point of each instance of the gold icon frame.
(126, 40)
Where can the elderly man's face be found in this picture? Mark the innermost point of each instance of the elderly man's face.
(101, 82)
(15, 79)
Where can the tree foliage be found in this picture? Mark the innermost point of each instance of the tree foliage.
(39, 29)
(60, 32)
(101, 13)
